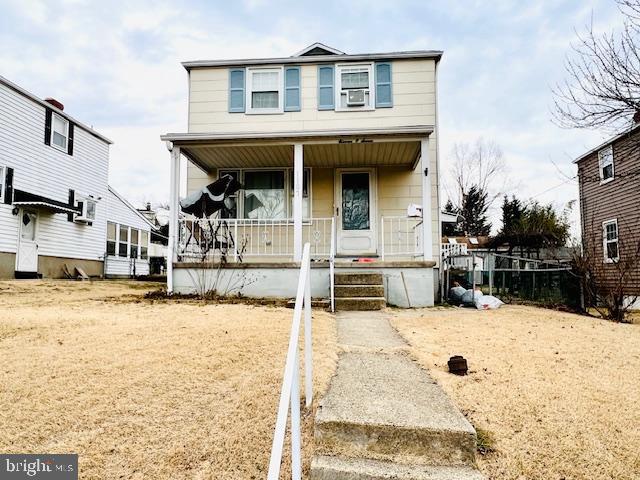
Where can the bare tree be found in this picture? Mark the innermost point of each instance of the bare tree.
(602, 88)
(480, 164)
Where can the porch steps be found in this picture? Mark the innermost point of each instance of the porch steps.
(359, 291)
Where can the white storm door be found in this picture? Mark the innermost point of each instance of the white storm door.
(27, 257)
(356, 211)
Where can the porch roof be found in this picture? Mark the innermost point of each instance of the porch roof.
(322, 148)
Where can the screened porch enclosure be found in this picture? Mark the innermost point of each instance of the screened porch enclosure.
(347, 195)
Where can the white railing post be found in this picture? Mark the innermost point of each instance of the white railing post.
(332, 254)
(290, 393)
(308, 348)
(296, 441)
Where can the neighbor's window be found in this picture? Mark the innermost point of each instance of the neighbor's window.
(610, 241)
(264, 194)
(354, 86)
(144, 244)
(264, 90)
(111, 238)
(59, 132)
(123, 241)
(605, 160)
(133, 250)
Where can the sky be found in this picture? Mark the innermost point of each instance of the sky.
(116, 66)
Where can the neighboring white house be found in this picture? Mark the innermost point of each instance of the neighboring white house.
(53, 189)
(331, 148)
(128, 237)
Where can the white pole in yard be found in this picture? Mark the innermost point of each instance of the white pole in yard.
(308, 352)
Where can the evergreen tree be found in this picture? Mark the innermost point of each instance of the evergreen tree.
(474, 211)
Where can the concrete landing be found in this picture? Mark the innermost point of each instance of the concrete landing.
(384, 417)
(383, 406)
(337, 468)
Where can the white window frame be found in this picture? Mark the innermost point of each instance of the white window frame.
(114, 240)
(288, 195)
(264, 111)
(338, 87)
(602, 165)
(606, 242)
(66, 132)
(3, 175)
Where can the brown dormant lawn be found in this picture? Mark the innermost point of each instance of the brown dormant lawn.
(558, 393)
(141, 389)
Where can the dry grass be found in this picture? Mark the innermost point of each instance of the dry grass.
(145, 389)
(558, 393)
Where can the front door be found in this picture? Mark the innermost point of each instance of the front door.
(356, 211)
(27, 257)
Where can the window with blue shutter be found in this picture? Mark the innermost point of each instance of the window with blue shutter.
(292, 89)
(384, 97)
(325, 87)
(236, 90)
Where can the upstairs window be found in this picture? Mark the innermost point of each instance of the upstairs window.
(59, 132)
(610, 241)
(355, 89)
(605, 161)
(264, 90)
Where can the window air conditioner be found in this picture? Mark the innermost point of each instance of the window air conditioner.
(356, 98)
(88, 211)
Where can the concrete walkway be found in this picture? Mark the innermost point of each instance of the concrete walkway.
(384, 417)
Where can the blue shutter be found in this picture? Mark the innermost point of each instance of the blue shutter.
(236, 90)
(384, 96)
(325, 87)
(292, 89)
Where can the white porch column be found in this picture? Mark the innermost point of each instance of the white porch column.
(174, 209)
(425, 167)
(298, 179)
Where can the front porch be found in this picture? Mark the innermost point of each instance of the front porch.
(348, 194)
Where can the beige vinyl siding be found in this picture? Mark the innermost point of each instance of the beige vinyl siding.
(413, 83)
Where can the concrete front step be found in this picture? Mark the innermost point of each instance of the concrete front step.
(359, 291)
(360, 303)
(340, 468)
(385, 407)
(358, 278)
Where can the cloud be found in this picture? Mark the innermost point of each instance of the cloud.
(116, 66)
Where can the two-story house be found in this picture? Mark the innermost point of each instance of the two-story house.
(55, 203)
(334, 149)
(609, 181)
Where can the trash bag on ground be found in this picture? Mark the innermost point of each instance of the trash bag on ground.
(467, 297)
(487, 302)
(455, 295)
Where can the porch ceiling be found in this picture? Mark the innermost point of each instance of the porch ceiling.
(398, 153)
(397, 146)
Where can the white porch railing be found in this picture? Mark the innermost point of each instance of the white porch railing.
(449, 249)
(400, 237)
(207, 239)
(290, 393)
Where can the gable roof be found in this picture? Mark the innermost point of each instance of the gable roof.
(132, 208)
(318, 49)
(629, 131)
(32, 97)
